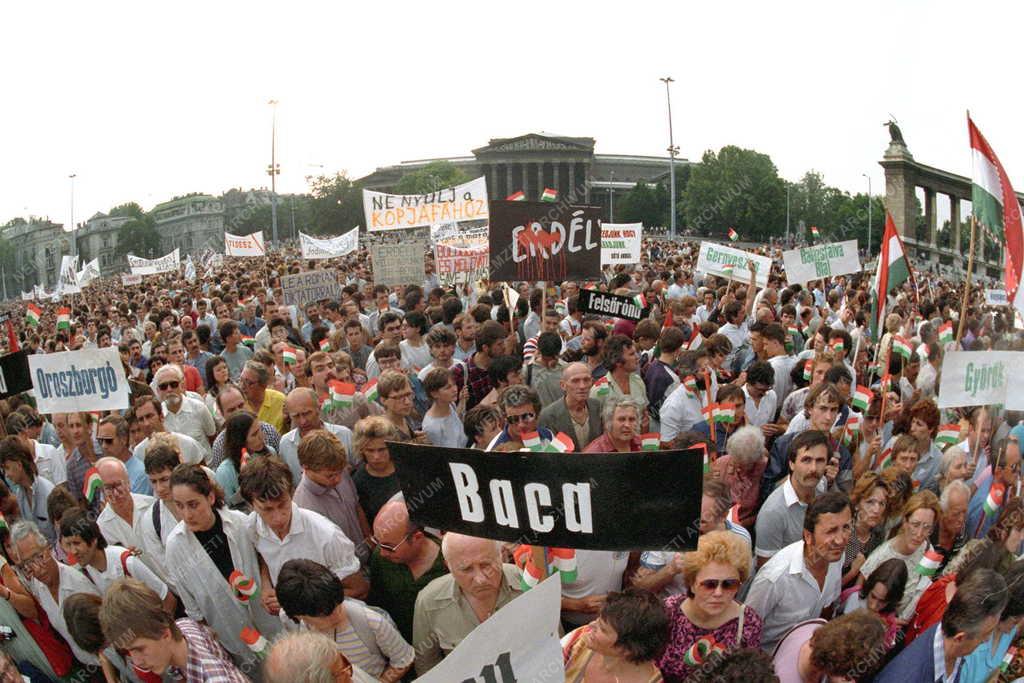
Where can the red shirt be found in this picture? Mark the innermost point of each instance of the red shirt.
(930, 608)
(745, 485)
(603, 444)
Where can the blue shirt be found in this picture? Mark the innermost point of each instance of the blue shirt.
(979, 665)
(976, 511)
(137, 476)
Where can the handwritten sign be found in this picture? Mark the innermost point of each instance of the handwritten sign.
(313, 285)
(465, 202)
(620, 243)
(821, 261)
(996, 297)
(713, 258)
(128, 279)
(975, 378)
(398, 264)
(542, 241)
(329, 247)
(244, 245)
(165, 264)
(458, 265)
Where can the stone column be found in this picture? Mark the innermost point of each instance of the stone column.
(554, 171)
(540, 178)
(574, 189)
(508, 179)
(586, 181)
(900, 179)
(930, 219)
(954, 221)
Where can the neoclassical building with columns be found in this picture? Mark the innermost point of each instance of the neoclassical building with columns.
(532, 162)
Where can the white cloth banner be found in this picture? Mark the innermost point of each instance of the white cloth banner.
(821, 261)
(519, 642)
(244, 245)
(330, 247)
(89, 272)
(981, 378)
(190, 269)
(74, 381)
(67, 282)
(620, 243)
(466, 202)
(130, 279)
(996, 297)
(28, 296)
(165, 264)
(714, 257)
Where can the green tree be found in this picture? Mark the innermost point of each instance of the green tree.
(131, 210)
(737, 188)
(641, 205)
(435, 176)
(139, 237)
(336, 205)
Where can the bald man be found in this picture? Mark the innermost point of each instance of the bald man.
(576, 414)
(451, 606)
(119, 518)
(404, 560)
(306, 656)
(303, 410)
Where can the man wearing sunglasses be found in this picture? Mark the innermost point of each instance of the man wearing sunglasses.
(520, 406)
(184, 414)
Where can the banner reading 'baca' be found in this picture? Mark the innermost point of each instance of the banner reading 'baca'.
(616, 501)
(74, 381)
(467, 202)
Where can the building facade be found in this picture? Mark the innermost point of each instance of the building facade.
(38, 247)
(190, 223)
(97, 239)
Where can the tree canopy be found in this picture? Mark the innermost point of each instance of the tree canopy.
(435, 176)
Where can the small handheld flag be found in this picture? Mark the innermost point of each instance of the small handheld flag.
(548, 195)
(342, 394)
(815, 232)
(256, 642)
(532, 441)
(640, 300)
(243, 586)
(727, 270)
(289, 356)
(601, 386)
(562, 443)
(690, 384)
(325, 344)
(901, 346)
(929, 563)
(92, 485)
(370, 390)
(837, 345)
(808, 370)
(733, 235)
(650, 441)
(517, 196)
(33, 314)
(561, 560)
(994, 501)
(63, 318)
(946, 333)
(948, 434)
(248, 341)
(724, 413)
(862, 398)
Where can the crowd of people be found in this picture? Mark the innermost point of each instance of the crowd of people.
(243, 519)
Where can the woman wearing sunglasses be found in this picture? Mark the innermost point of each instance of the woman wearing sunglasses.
(708, 620)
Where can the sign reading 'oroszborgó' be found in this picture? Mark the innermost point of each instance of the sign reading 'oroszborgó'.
(73, 381)
(821, 261)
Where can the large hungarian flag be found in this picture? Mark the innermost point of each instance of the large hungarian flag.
(892, 271)
(996, 207)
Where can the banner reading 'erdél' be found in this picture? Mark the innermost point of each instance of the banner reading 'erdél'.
(542, 241)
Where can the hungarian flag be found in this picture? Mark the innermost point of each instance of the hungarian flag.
(727, 270)
(946, 332)
(562, 443)
(724, 413)
(808, 369)
(948, 434)
(518, 196)
(1008, 659)
(33, 314)
(862, 398)
(690, 384)
(243, 586)
(640, 300)
(602, 386)
(289, 356)
(996, 208)
(650, 441)
(248, 341)
(994, 501)
(92, 485)
(884, 460)
(837, 345)
(852, 427)
(532, 441)
(901, 346)
(929, 563)
(814, 231)
(325, 344)
(893, 270)
(343, 394)
(548, 195)
(255, 640)
(561, 560)
(733, 235)
(370, 390)
(63, 318)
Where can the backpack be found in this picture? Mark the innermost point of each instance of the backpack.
(356, 610)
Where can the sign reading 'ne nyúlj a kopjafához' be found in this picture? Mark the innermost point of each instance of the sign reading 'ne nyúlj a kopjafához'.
(621, 243)
(975, 378)
(714, 259)
(466, 202)
(544, 241)
(75, 381)
(611, 305)
(821, 261)
(312, 285)
(615, 501)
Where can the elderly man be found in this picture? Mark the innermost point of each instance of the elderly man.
(265, 403)
(149, 413)
(1007, 474)
(451, 606)
(231, 401)
(112, 434)
(404, 560)
(621, 416)
(193, 379)
(520, 406)
(50, 582)
(576, 414)
(302, 409)
(742, 468)
(310, 657)
(120, 520)
(184, 414)
(951, 533)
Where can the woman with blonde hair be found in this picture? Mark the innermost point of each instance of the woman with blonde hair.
(375, 478)
(708, 620)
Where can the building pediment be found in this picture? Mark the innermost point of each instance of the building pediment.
(534, 142)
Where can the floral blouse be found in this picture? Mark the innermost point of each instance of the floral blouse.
(684, 655)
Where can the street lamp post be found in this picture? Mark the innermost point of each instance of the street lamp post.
(273, 170)
(672, 150)
(869, 212)
(611, 199)
(787, 214)
(74, 231)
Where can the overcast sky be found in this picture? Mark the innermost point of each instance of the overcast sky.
(144, 101)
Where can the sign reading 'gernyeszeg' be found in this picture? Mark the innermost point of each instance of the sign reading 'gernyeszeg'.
(75, 381)
(612, 305)
(616, 501)
(544, 241)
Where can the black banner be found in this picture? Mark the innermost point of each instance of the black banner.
(544, 241)
(14, 374)
(611, 305)
(614, 501)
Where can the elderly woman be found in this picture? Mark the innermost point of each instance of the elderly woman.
(741, 468)
(920, 515)
(867, 500)
(375, 478)
(628, 636)
(396, 396)
(710, 620)
(952, 467)
(33, 490)
(621, 418)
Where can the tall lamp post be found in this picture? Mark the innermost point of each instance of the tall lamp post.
(869, 212)
(273, 171)
(74, 230)
(672, 151)
(611, 199)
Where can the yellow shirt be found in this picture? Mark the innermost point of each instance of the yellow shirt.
(272, 410)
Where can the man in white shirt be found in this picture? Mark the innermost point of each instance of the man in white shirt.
(184, 414)
(149, 414)
(761, 401)
(803, 580)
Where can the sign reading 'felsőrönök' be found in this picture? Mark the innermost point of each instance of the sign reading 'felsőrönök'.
(611, 305)
(75, 381)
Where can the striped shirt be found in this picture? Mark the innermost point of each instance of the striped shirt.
(391, 648)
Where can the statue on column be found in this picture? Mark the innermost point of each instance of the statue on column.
(895, 134)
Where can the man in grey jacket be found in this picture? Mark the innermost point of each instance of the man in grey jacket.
(577, 415)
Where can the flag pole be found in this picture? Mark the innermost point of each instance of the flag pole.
(967, 285)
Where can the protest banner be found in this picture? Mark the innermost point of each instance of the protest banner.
(976, 378)
(459, 234)
(458, 265)
(28, 296)
(89, 272)
(544, 241)
(519, 642)
(466, 202)
(312, 285)
(996, 297)
(75, 381)
(131, 279)
(821, 261)
(399, 264)
(67, 282)
(144, 266)
(620, 243)
(244, 245)
(614, 501)
(611, 305)
(329, 247)
(714, 257)
(14, 374)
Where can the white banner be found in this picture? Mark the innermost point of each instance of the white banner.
(458, 265)
(821, 261)
(67, 281)
(190, 269)
(330, 247)
(28, 296)
(976, 378)
(131, 279)
(466, 202)
(996, 297)
(453, 235)
(74, 381)
(620, 243)
(89, 272)
(714, 257)
(165, 264)
(519, 642)
(244, 245)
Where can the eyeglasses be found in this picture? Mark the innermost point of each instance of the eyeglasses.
(389, 547)
(516, 419)
(163, 386)
(726, 584)
(400, 396)
(920, 526)
(106, 439)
